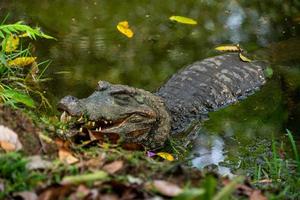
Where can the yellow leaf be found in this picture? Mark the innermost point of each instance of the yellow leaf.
(232, 48)
(21, 61)
(165, 156)
(183, 20)
(23, 35)
(123, 27)
(11, 43)
(244, 58)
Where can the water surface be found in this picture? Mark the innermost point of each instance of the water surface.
(89, 48)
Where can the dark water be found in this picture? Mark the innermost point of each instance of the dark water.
(89, 48)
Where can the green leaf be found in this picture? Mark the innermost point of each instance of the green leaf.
(268, 72)
(191, 194)
(2, 35)
(90, 177)
(21, 27)
(18, 97)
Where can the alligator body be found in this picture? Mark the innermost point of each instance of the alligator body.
(145, 118)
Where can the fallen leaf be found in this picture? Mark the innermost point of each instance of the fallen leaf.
(134, 180)
(55, 192)
(123, 27)
(21, 61)
(167, 188)
(82, 192)
(228, 48)
(109, 197)
(11, 43)
(244, 58)
(26, 195)
(257, 195)
(66, 156)
(165, 156)
(113, 167)
(265, 181)
(90, 177)
(183, 20)
(9, 140)
(93, 163)
(36, 162)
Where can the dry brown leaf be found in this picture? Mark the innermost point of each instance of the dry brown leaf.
(9, 140)
(26, 195)
(257, 195)
(36, 162)
(82, 192)
(167, 188)
(93, 163)
(113, 167)
(265, 181)
(66, 156)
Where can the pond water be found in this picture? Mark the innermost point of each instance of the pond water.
(89, 48)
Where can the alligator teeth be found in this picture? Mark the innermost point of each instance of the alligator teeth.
(93, 124)
(64, 117)
(105, 122)
(97, 129)
(81, 129)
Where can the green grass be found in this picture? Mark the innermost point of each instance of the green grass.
(19, 82)
(281, 171)
(15, 176)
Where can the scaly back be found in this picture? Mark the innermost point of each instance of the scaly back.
(209, 85)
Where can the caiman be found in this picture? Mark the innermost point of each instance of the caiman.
(139, 117)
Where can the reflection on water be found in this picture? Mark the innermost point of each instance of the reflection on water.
(209, 150)
(90, 48)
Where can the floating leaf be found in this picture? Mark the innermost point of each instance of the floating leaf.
(244, 58)
(123, 27)
(230, 48)
(21, 61)
(165, 156)
(9, 140)
(183, 20)
(11, 43)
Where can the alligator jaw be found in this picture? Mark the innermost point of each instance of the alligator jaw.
(129, 128)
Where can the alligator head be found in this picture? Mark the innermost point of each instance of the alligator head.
(135, 115)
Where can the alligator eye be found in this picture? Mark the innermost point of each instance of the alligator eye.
(124, 99)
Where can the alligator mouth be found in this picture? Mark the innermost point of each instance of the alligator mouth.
(113, 131)
(83, 124)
